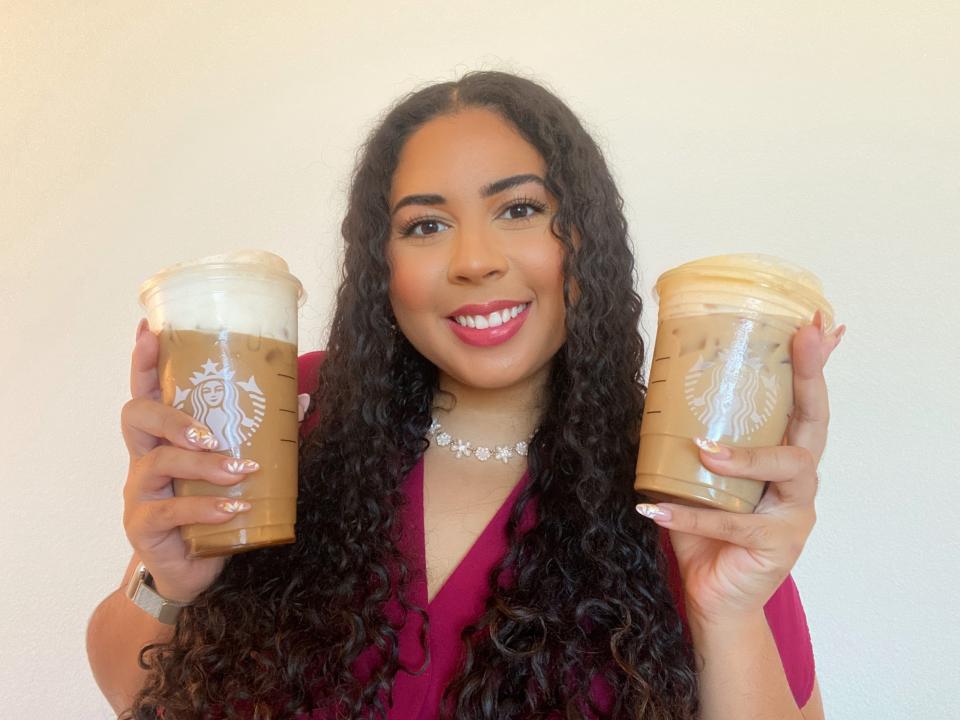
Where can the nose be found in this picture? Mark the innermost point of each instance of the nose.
(476, 255)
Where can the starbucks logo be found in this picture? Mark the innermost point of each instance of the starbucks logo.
(732, 395)
(232, 409)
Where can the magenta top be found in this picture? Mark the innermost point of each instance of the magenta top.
(460, 601)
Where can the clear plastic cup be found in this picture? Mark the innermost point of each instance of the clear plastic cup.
(227, 326)
(721, 370)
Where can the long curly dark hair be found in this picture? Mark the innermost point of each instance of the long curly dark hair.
(280, 630)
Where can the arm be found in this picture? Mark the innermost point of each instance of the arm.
(741, 674)
(117, 631)
(732, 564)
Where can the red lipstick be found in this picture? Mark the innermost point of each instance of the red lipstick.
(487, 308)
(487, 337)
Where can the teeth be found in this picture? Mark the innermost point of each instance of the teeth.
(494, 319)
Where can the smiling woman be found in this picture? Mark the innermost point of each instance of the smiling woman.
(467, 544)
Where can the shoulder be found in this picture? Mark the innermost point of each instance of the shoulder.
(308, 369)
(308, 380)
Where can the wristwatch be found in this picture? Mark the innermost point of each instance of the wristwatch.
(144, 596)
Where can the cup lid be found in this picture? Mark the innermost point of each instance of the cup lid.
(260, 262)
(767, 277)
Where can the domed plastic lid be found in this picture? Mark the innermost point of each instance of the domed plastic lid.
(224, 265)
(753, 283)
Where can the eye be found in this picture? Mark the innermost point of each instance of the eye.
(422, 227)
(522, 209)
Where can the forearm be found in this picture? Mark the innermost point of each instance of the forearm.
(741, 674)
(117, 631)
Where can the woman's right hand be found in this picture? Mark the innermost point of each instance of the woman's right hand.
(165, 443)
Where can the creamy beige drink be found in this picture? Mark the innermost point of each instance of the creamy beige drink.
(227, 327)
(721, 370)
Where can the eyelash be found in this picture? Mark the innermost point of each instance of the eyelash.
(407, 229)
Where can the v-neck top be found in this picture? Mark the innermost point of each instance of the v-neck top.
(462, 597)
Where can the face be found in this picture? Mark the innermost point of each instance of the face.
(212, 393)
(476, 274)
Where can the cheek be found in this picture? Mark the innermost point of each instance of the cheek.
(409, 285)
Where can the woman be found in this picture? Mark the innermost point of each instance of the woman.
(487, 311)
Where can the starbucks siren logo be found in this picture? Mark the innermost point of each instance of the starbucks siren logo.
(731, 399)
(218, 401)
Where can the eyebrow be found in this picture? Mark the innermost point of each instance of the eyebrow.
(498, 186)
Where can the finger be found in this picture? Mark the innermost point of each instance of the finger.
(303, 403)
(145, 422)
(144, 380)
(790, 467)
(159, 517)
(810, 418)
(155, 471)
(746, 530)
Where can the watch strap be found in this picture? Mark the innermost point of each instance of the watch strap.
(144, 596)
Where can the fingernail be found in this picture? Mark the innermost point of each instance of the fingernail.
(201, 437)
(654, 512)
(818, 322)
(233, 506)
(142, 327)
(720, 452)
(236, 465)
(841, 331)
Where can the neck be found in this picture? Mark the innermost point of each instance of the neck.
(492, 416)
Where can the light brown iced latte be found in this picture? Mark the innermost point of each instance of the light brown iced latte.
(240, 386)
(721, 370)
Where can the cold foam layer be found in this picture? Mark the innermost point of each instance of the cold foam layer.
(247, 291)
(745, 283)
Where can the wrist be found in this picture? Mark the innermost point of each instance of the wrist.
(722, 626)
(171, 593)
(142, 593)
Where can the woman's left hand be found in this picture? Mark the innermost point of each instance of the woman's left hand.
(732, 563)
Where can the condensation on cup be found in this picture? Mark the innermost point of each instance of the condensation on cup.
(721, 370)
(227, 326)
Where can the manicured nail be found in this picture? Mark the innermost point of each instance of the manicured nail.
(233, 506)
(720, 452)
(654, 512)
(235, 465)
(142, 327)
(201, 437)
(818, 322)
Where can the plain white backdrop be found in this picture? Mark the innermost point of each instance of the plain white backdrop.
(136, 134)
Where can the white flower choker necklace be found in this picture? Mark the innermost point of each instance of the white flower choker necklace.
(463, 448)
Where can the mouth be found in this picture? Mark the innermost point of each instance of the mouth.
(489, 324)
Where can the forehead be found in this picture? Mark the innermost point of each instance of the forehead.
(463, 151)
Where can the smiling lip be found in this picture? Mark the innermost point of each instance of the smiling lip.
(487, 308)
(489, 336)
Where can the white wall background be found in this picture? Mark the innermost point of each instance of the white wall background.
(135, 134)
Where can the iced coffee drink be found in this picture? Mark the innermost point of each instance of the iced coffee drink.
(721, 370)
(227, 327)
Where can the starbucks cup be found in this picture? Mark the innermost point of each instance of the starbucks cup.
(227, 326)
(721, 370)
